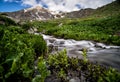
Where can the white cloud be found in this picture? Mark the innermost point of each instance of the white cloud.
(29, 2)
(65, 5)
(70, 5)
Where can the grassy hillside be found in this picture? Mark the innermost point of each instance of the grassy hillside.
(6, 21)
(105, 29)
(108, 10)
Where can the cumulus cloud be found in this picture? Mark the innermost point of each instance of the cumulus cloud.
(29, 2)
(64, 5)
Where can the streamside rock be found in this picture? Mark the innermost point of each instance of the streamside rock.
(50, 47)
(51, 40)
(74, 79)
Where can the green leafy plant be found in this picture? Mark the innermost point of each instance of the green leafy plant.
(42, 68)
(74, 62)
(62, 74)
(59, 60)
(85, 55)
(111, 76)
(18, 51)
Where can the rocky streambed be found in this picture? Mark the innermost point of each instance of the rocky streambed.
(101, 57)
(96, 52)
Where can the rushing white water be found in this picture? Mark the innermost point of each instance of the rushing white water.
(96, 52)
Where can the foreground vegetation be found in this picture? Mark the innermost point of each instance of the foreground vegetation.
(65, 69)
(18, 52)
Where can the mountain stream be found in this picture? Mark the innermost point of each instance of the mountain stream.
(96, 52)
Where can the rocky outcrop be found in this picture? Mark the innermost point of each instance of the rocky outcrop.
(34, 13)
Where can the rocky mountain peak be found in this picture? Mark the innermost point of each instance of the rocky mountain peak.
(37, 8)
(30, 14)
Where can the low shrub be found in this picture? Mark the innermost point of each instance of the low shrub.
(18, 51)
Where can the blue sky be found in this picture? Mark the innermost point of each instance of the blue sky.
(54, 5)
(10, 6)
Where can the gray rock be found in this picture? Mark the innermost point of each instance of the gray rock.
(51, 40)
(75, 79)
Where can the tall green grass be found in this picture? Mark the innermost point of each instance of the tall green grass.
(105, 29)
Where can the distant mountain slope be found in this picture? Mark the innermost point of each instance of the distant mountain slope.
(108, 10)
(39, 13)
(80, 13)
(34, 13)
(6, 21)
